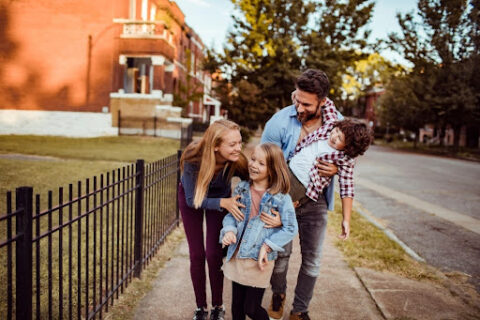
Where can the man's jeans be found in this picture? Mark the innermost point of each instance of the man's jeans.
(312, 223)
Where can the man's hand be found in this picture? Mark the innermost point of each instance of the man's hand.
(233, 206)
(263, 256)
(229, 238)
(271, 221)
(345, 230)
(326, 169)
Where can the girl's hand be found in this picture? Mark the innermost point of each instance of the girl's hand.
(232, 206)
(229, 238)
(271, 221)
(345, 230)
(263, 256)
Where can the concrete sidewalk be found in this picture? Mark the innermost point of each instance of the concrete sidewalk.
(340, 293)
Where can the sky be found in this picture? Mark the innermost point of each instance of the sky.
(211, 20)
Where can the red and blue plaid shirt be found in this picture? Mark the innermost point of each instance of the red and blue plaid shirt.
(344, 163)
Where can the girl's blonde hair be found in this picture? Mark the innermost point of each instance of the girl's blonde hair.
(202, 153)
(277, 170)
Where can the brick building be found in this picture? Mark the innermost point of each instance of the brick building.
(101, 56)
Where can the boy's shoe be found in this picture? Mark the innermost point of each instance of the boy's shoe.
(275, 310)
(200, 314)
(217, 313)
(299, 316)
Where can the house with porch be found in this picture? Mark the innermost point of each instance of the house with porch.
(109, 63)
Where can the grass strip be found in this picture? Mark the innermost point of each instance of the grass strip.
(369, 247)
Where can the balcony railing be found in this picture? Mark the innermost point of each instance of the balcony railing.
(145, 29)
(139, 29)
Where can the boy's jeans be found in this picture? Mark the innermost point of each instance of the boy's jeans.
(312, 223)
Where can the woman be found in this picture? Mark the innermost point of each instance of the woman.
(207, 167)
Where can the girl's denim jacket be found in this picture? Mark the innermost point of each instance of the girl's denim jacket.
(255, 234)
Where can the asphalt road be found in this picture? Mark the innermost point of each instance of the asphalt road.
(430, 203)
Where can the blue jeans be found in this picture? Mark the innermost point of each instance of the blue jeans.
(312, 224)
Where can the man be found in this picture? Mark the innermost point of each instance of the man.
(287, 128)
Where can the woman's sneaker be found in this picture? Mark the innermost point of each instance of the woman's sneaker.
(217, 313)
(200, 314)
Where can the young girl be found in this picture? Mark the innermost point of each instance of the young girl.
(252, 248)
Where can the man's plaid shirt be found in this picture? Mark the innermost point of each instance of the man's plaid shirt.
(344, 163)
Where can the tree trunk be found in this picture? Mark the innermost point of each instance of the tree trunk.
(442, 136)
(415, 141)
(456, 137)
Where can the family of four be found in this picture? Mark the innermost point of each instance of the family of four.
(285, 189)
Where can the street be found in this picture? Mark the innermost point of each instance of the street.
(429, 202)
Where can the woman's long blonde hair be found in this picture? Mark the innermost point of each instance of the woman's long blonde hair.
(277, 170)
(203, 154)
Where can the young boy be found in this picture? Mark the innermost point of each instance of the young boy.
(338, 142)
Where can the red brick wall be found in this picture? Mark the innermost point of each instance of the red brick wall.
(44, 46)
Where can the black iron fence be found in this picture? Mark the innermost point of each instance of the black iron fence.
(70, 255)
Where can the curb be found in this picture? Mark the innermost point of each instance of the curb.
(389, 233)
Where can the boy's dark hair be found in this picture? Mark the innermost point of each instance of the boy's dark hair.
(358, 136)
(314, 81)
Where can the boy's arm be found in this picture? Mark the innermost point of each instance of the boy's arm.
(347, 192)
(346, 212)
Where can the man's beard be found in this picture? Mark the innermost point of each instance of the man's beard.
(305, 117)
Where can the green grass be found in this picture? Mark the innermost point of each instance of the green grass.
(80, 158)
(122, 149)
(369, 247)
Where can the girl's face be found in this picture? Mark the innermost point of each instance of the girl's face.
(337, 139)
(230, 147)
(257, 165)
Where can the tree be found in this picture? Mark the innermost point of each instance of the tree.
(440, 44)
(365, 74)
(271, 43)
(263, 49)
(337, 41)
(402, 106)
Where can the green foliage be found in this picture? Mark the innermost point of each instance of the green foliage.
(365, 74)
(334, 44)
(442, 44)
(272, 41)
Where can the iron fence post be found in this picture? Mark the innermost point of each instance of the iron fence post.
(139, 178)
(24, 204)
(179, 154)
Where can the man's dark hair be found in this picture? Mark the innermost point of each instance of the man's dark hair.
(314, 81)
(358, 136)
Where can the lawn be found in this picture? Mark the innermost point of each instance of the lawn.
(73, 159)
(47, 163)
